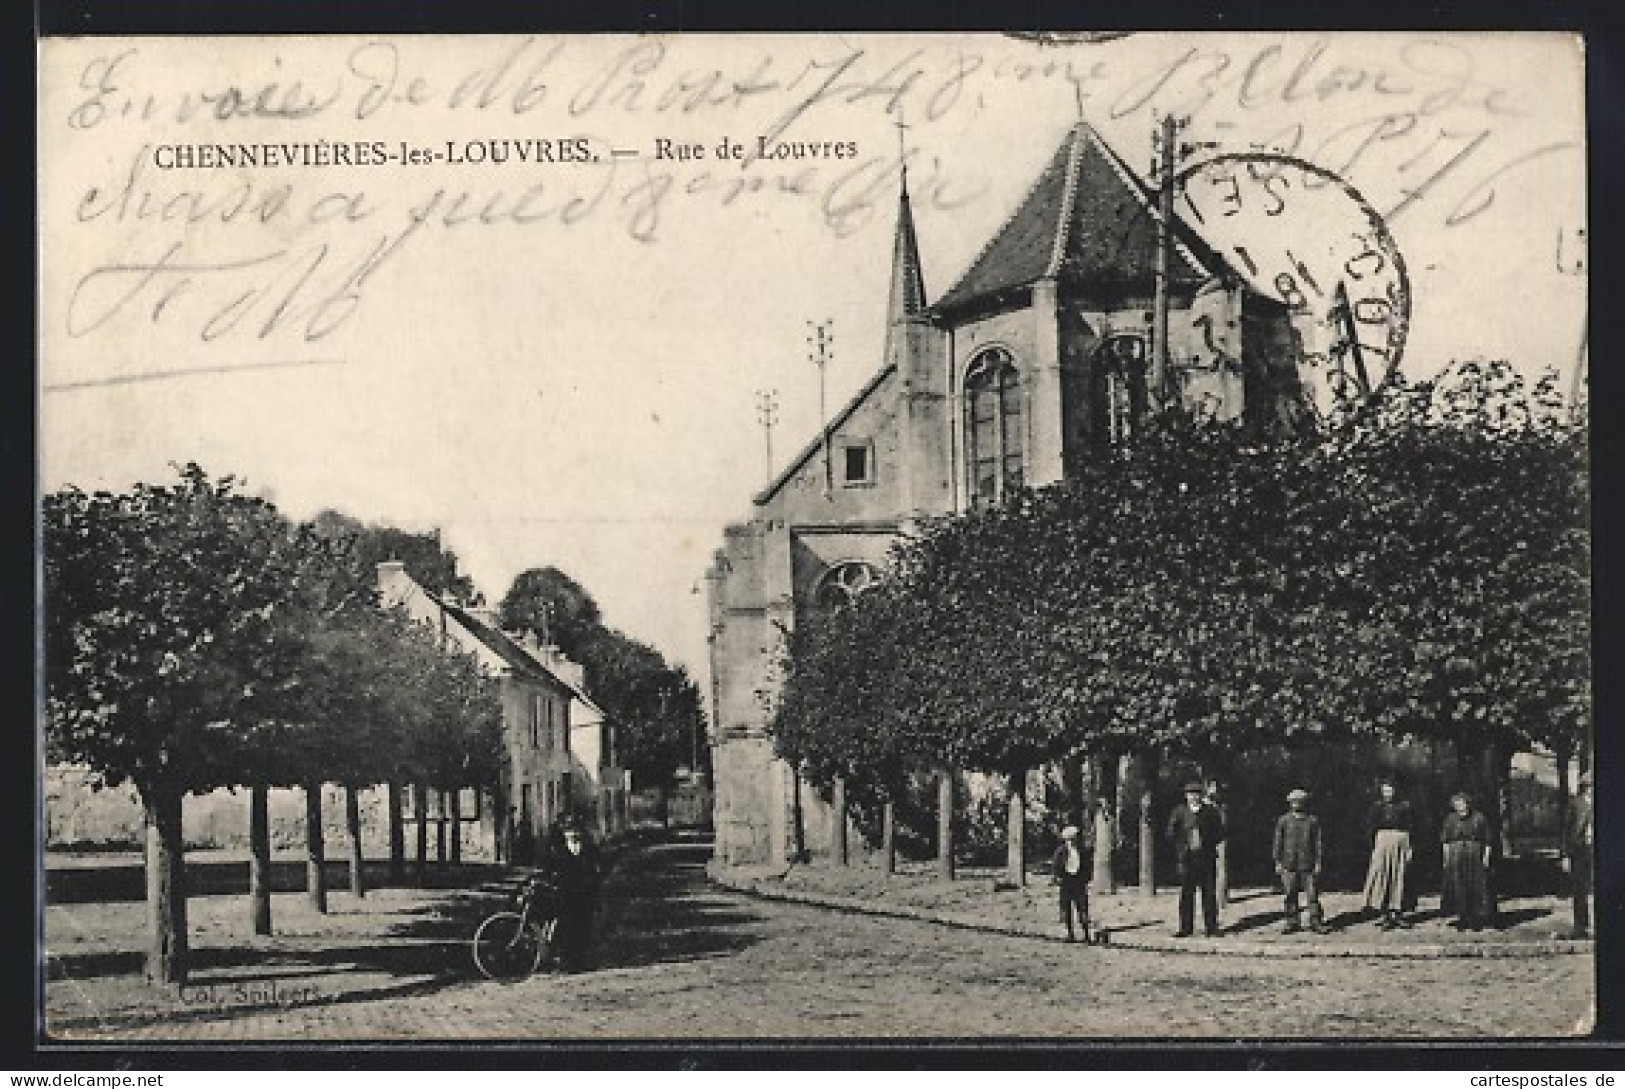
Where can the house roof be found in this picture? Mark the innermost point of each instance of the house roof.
(1087, 221)
(514, 655)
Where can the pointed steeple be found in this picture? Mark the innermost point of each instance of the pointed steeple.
(907, 299)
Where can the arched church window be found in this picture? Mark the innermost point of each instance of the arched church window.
(841, 584)
(995, 457)
(1123, 360)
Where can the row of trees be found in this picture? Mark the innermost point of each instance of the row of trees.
(195, 638)
(656, 705)
(1416, 569)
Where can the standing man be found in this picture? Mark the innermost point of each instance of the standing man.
(1297, 859)
(1195, 829)
(1577, 850)
(1071, 872)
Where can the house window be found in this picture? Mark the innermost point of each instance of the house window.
(995, 461)
(842, 584)
(468, 804)
(857, 464)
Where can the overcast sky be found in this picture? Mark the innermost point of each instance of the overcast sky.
(572, 380)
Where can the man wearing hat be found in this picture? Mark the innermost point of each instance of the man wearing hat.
(1071, 869)
(572, 863)
(1297, 860)
(1578, 838)
(1196, 830)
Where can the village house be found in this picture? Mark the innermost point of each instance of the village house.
(544, 710)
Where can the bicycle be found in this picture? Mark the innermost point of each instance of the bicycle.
(511, 944)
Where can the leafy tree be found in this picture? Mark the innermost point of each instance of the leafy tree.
(1419, 569)
(159, 603)
(656, 705)
(430, 564)
(555, 606)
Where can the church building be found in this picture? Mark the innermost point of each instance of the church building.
(1038, 358)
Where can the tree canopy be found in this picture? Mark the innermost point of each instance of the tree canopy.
(1419, 568)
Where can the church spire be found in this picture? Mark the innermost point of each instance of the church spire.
(907, 301)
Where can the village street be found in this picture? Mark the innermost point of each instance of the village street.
(687, 960)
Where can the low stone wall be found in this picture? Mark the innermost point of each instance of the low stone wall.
(79, 815)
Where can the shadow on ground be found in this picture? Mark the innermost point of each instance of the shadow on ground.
(661, 909)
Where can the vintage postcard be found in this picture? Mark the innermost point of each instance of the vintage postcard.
(719, 537)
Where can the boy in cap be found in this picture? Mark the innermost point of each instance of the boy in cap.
(1297, 859)
(1196, 830)
(1071, 869)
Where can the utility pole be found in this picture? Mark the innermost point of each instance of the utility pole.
(1576, 266)
(820, 342)
(767, 414)
(1167, 150)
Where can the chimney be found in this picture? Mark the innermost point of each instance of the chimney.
(393, 582)
(562, 667)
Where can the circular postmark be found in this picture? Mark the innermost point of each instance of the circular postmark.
(1301, 234)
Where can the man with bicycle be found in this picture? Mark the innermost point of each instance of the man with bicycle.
(571, 862)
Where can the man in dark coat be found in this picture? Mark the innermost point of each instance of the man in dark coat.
(1195, 829)
(1297, 854)
(1578, 838)
(572, 863)
(1070, 871)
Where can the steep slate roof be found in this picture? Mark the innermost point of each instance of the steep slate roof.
(516, 657)
(1088, 221)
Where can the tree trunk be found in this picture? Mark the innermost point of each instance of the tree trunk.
(166, 887)
(945, 824)
(352, 826)
(1564, 756)
(1500, 756)
(397, 836)
(888, 836)
(456, 825)
(1120, 823)
(1106, 781)
(798, 820)
(259, 857)
(1015, 832)
(439, 827)
(315, 862)
(1147, 766)
(1077, 779)
(420, 796)
(837, 821)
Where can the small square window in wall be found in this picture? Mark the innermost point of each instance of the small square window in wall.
(857, 464)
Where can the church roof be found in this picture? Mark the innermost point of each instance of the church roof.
(824, 433)
(1088, 221)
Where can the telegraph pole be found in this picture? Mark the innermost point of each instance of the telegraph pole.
(820, 341)
(1167, 149)
(767, 414)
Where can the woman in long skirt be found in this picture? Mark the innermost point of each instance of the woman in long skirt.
(1390, 856)
(1466, 837)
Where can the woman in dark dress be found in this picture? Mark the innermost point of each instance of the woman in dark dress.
(1466, 838)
